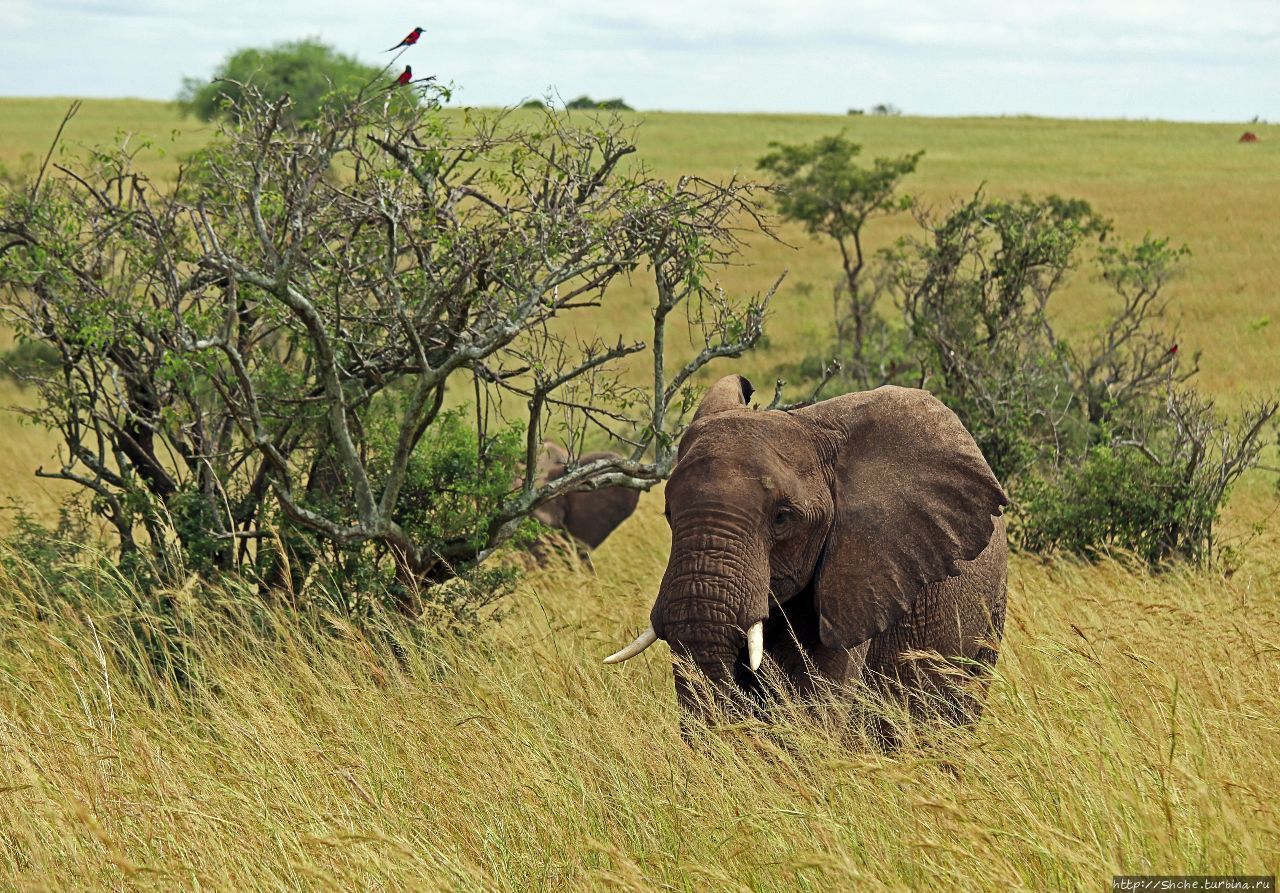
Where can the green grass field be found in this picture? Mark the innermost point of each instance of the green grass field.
(1191, 182)
(1134, 726)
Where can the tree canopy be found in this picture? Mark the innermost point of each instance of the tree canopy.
(252, 366)
(310, 72)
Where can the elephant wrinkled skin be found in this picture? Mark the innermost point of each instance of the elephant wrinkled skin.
(864, 534)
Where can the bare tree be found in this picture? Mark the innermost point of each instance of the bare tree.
(274, 339)
(823, 187)
(1135, 355)
(1204, 455)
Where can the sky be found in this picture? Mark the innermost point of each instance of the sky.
(1172, 59)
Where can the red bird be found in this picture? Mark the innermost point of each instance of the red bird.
(1173, 350)
(410, 39)
(405, 76)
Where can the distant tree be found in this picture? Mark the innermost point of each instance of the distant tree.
(311, 73)
(856, 112)
(27, 359)
(533, 104)
(586, 102)
(885, 108)
(825, 189)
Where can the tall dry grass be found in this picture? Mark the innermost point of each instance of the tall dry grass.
(1134, 726)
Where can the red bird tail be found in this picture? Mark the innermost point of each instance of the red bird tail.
(410, 39)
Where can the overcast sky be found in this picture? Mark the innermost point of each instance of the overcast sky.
(1175, 59)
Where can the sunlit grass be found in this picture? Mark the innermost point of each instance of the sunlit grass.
(1133, 727)
(1134, 724)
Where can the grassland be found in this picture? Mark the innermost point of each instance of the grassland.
(1190, 182)
(1134, 726)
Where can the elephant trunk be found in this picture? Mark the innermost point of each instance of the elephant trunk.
(710, 609)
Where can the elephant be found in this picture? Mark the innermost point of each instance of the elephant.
(587, 517)
(847, 541)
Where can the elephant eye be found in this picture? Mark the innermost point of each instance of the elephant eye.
(781, 517)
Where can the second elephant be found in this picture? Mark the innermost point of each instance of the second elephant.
(587, 517)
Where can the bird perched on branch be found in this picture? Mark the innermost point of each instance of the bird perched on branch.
(405, 76)
(410, 39)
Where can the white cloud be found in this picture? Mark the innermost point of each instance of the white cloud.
(1073, 57)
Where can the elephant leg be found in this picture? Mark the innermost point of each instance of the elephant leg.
(937, 660)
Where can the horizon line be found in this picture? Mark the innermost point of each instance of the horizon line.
(1257, 120)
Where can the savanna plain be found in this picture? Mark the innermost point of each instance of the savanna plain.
(1133, 726)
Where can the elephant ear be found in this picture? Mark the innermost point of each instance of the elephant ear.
(913, 496)
(730, 392)
(552, 512)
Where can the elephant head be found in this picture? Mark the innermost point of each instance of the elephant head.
(806, 534)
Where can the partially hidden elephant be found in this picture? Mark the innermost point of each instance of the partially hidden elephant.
(586, 517)
(855, 542)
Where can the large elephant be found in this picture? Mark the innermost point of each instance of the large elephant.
(587, 517)
(842, 540)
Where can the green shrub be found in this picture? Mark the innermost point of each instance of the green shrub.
(454, 485)
(455, 482)
(28, 359)
(1112, 497)
(1102, 442)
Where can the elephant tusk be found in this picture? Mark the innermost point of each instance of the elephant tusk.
(643, 641)
(755, 645)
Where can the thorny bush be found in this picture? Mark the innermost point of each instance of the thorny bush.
(252, 364)
(1102, 441)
